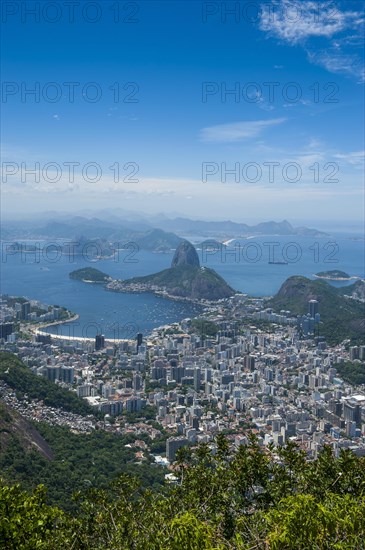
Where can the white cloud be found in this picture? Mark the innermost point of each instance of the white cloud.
(296, 21)
(237, 131)
(314, 143)
(336, 61)
(302, 22)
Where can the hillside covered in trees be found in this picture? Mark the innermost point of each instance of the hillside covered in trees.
(252, 498)
(341, 317)
(19, 377)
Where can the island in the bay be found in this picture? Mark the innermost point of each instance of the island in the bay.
(90, 275)
(185, 279)
(334, 275)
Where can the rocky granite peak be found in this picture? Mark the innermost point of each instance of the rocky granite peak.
(185, 254)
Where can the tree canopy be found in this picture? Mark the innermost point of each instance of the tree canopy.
(223, 498)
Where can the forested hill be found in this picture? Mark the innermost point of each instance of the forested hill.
(342, 317)
(185, 277)
(13, 427)
(19, 377)
(64, 460)
(90, 275)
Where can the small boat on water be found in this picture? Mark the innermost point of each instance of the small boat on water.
(278, 263)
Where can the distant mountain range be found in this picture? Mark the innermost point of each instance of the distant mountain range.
(164, 234)
(233, 229)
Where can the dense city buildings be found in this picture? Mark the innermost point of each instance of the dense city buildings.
(240, 369)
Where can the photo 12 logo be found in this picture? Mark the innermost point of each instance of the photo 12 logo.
(268, 12)
(68, 92)
(269, 172)
(70, 11)
(269, 252)
(89, 250)
(53, 172)
(270, 92)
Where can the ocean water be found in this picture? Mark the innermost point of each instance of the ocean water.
(244, 265)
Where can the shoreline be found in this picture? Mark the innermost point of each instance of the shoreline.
(164, 294)
(38, 331)
(328, 278)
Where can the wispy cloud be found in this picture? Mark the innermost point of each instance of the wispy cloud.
(355, 158)
(294, 21)
(302, 23)
(237, 131)
(334, 60)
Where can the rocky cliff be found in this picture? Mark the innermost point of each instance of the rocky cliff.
(185, 255)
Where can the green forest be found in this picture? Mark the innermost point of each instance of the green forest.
(353, 373)
(252, 498)
(79, 461)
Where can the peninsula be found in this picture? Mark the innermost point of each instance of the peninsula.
(185, 279)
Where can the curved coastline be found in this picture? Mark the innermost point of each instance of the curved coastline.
(161, 293)
(38, 331)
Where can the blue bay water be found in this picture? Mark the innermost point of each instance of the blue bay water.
(118, 315)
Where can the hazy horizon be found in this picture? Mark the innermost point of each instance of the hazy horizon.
(175, 107)
(112, 215)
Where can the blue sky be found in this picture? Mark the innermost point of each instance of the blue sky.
(151, 95)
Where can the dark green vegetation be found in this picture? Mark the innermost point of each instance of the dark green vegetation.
(23, 381)
(78, 462)
(353, 373)
(147, 413)
(15, 428)
(333, 274)
(33, 453)
(204, 327)
(190, 282)
(250, 499)
(341, 317)
(91, 274)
